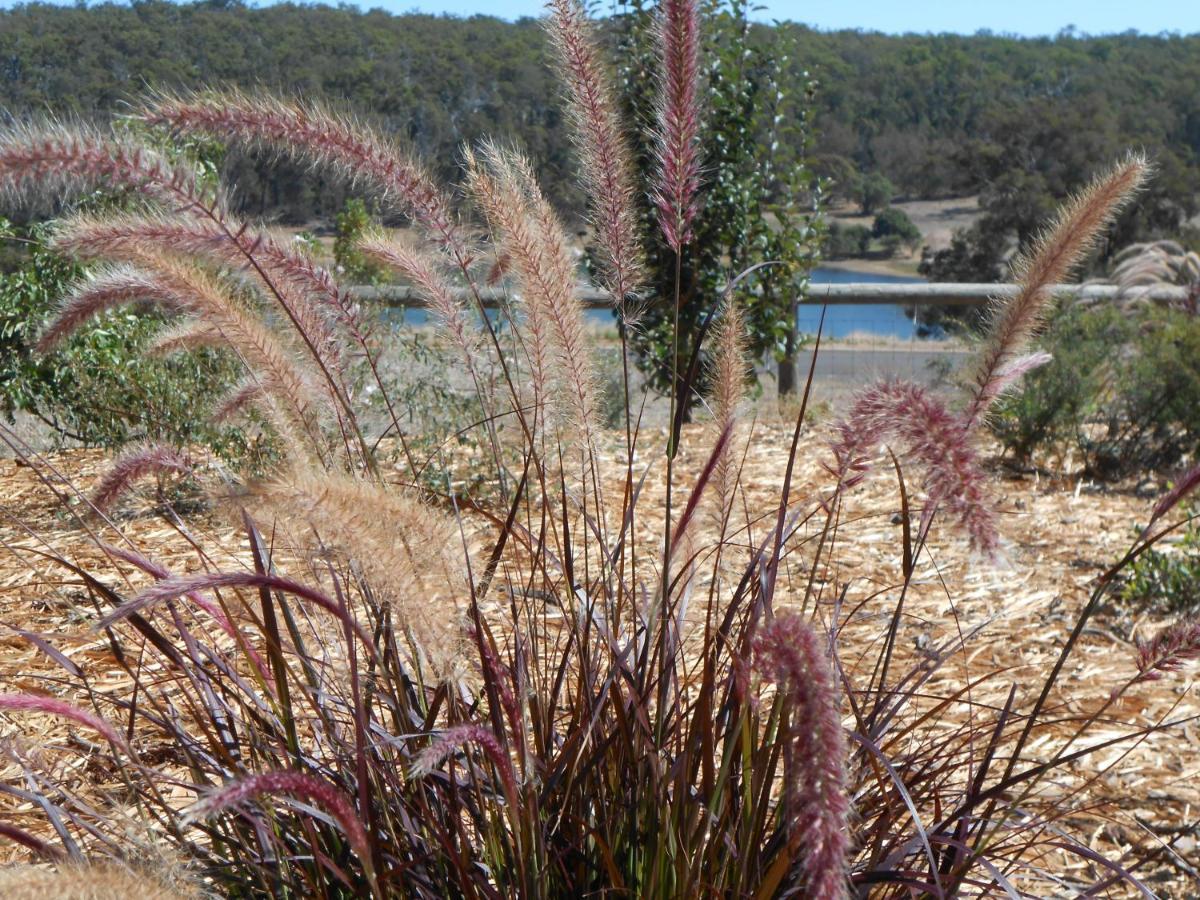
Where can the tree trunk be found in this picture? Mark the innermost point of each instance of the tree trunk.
(786, 373)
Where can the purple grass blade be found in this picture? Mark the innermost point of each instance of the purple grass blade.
(180, 585)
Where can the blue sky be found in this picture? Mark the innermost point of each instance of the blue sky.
(1026, 17)
(1023, 17)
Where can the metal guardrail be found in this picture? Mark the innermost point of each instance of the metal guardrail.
(850, 294)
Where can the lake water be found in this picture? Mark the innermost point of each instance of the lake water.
(875, 319)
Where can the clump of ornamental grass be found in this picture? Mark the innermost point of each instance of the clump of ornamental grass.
(396, 689)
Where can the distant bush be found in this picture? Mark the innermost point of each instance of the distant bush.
(968, 258)
(843, 241)
(1123, 392)
(895, 224)
(350, 227)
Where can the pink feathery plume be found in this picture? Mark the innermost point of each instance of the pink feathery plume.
(132, 465)
(526, 228)
(55, 707)
(305, 292)
(49, 159)
(105, 290)
(308, 132)
(728, 389)
(1010, 373)
(1061, 247)
(150, 567)
(1168, 650)
(926, 430)
(606, 162)
(789, 652)
(180, 585)
(677, 149)
(453, 738)
(421, 269)
(295, 784)
(1184, 486)
(244, 394)
(186, 336)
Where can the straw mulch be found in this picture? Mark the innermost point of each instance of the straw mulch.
(1060, 536)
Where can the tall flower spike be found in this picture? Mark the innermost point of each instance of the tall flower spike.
(500, 206)
(305, 293)
(556, 275)
(185, 288)
(402, 546)
(421, 269)
(676, 149)
(605, 159)
(529, 233)
(454, 738)
(789, 652)
(187, 335)
(1168, 650)
(104, 290)
(55, 707)
(1074, 231)
(185, 585)
(50, 159)
(728, 391)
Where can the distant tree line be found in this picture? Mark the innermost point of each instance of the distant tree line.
(1021, 122)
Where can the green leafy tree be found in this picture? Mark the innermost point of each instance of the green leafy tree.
(875, 192)
(761, 203)
(968, 258)
(847, 241)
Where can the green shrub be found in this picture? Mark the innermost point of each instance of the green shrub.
(1123, 391)
(844, 241)
(895, 224)
(100, 388)
(1168, 580)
